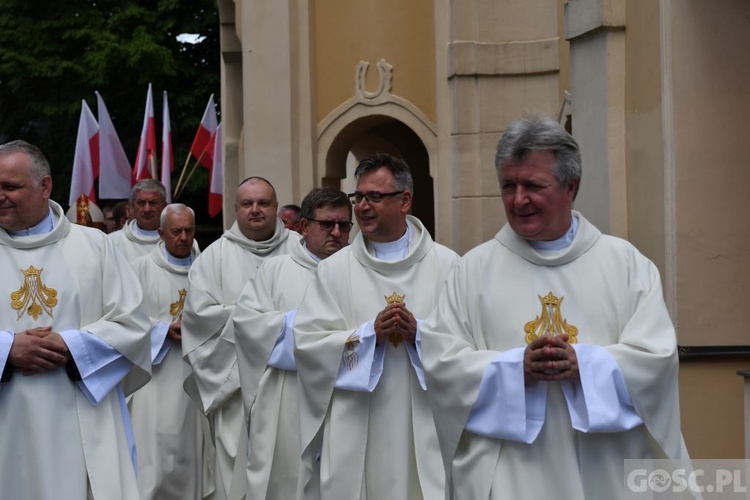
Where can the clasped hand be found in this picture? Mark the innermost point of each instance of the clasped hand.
(395, 318)
(550, 358)
(38, 350)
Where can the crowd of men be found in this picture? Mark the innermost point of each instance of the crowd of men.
(291, 359)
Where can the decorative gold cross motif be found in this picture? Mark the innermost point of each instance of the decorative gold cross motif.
(394, 338)
(33, 297)
(175, 308)
(551, 322)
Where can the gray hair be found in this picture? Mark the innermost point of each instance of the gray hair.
(526, 135)
(402, 178)
(151, 185)
(174, 208)
(39, 163)
(324, 197)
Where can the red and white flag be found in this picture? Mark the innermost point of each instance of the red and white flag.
(215, 187)
(207, 128)
(86, 160)
(114, 175)
(145, 159)
(167, 159)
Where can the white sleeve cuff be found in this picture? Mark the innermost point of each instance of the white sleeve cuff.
(362, 360)
(601, 401)
(160, 344)
(505, 408)
(101, 367)
(282, 356)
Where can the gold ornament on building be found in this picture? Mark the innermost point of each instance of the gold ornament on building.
(350, 357)
(33, 297)
(175, 308)
(394, 338)
(551, 322)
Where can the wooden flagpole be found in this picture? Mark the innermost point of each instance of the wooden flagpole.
(192, 171)
(182, 174)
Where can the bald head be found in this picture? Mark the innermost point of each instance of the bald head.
(255, 207)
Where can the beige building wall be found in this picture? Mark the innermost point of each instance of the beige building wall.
(659, 103)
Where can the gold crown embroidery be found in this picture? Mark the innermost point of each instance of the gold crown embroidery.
(33, 297)
(394, 298)
(350, 359)
(175, 308)
(551, 322)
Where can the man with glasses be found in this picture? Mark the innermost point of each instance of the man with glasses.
(366, 427)
(216, 280)
(263, 318)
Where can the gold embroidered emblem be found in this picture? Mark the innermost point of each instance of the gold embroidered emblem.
(175, 308)
(551, 322)
(350, 357)
(394, 298)
(33, 297)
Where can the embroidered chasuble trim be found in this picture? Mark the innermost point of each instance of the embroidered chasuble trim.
(175, 308)
(550, 322)
(33, 298)
(394, 298)
(350, 359)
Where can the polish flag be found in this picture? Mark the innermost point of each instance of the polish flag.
(207, 128)
(167, 159)
(145, 159)
(215, 188)
(86, 160)
(114, 179)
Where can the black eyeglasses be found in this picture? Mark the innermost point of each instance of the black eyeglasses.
(371, 196)
(327, 225)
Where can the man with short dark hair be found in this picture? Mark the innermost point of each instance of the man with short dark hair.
(216, 280)
(168, 427)
(550, 356)
(263, 319)
(291, 216)
(140, 235)
(72, 326)
(366, 427)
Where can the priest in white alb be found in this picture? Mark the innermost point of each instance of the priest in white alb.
(263, 319)
(168, 427)
(215, 281)
(366, 427)
(550, 357)
(140, 235)
(72, 326)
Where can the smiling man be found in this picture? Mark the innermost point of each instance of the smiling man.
(216, 280)
(263, 319)
(141, 234)
(550, 356)
(72, 327)
(366, 427)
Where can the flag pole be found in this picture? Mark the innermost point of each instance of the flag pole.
(192, 171)
(182, 174)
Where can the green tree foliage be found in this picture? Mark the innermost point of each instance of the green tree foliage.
(55, 53)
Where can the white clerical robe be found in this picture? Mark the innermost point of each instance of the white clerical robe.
(65, 439)
(263, 318)
(132, 242)
(358, 444)
(215, 281)
(501, 440)
(168, 426)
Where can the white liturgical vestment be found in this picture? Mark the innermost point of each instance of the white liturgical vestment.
(215, 281)
(503, 440)
(263, 318)
(63, 438)
(376, 440)
(134, 243)
(167, 424)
